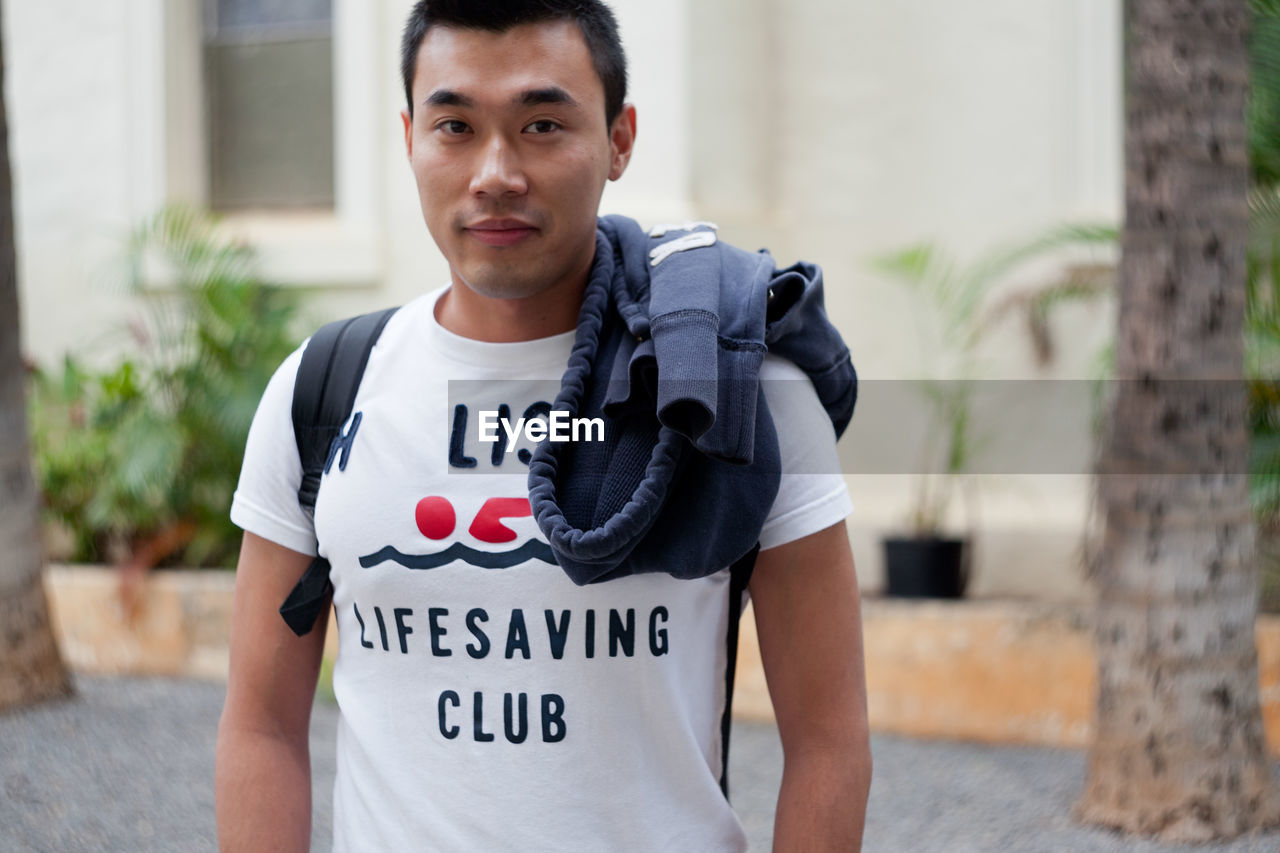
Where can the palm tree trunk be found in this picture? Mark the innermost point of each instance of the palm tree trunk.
(30, 667)
(1179, 750)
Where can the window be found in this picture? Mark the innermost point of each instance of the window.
(333, 237)
(268, 71)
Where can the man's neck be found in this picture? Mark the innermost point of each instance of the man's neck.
(470, 315)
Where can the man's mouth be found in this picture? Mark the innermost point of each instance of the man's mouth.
(500, 232)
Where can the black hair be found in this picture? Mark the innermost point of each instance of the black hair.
(596, 21)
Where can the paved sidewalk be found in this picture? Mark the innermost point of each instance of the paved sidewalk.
(128, 765)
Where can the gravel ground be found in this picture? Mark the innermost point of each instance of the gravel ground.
(128, 765)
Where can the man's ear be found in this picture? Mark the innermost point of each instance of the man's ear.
(622, 139)
(408, 132)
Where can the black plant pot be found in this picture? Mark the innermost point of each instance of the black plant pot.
(931, 567)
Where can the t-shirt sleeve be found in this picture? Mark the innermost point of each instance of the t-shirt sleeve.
(812, 494)
(266, 499)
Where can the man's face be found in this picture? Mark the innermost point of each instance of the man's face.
(510, 150)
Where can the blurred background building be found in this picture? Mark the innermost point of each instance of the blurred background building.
(829, 131)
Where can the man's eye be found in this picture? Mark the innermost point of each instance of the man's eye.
(453, 127)
(542, 126)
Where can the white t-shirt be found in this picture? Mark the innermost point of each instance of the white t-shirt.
(486, 702)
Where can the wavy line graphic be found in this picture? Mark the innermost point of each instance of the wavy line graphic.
(531, 550)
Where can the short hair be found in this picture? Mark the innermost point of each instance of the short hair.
(596, 21)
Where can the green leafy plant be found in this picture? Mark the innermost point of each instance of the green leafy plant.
(959, 300)
(1262, 349)
(1264, 93)
(138, 463)
(1262, 371)
(1262, 317)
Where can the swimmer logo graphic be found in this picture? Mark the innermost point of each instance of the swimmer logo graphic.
(436, 519)
(435, 516)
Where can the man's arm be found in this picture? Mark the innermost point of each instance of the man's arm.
(807, 610)
(262, 779)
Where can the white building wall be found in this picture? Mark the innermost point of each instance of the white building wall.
(870, 126)
(68, 88)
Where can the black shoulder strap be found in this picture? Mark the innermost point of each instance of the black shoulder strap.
(323, 396)
(739, 577)
(325, 390)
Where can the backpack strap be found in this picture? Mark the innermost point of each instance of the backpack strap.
(739, 577)
(323, 395)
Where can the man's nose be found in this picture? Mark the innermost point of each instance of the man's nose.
(498, 172)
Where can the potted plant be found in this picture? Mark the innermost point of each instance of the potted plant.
(137, 462)
(928, 560)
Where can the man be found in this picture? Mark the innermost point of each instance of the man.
(487, 702)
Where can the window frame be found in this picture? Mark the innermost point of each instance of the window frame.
(341, 247)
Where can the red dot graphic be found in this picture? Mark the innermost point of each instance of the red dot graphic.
(435, 517)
